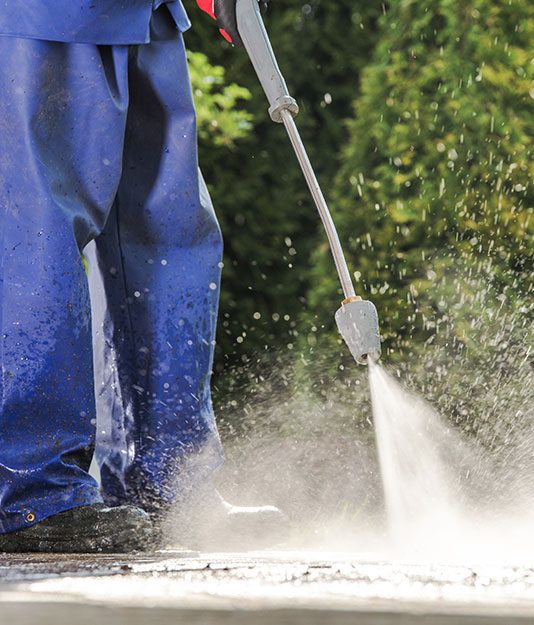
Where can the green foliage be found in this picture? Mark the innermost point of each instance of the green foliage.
(269, 222)
(419, 121)
(438, 165)
(220, 120)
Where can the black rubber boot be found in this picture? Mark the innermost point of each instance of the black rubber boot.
(87, 529)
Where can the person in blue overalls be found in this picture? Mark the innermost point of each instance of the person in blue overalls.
(109, 252)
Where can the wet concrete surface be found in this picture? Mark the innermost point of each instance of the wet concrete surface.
(264, 588)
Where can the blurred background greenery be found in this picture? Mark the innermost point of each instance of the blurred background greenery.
(419, 119)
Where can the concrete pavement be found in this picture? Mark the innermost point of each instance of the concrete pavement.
(259, 589)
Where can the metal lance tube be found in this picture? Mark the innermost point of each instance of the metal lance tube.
(357, 319)
(320, 202)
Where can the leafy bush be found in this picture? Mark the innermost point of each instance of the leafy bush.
(437, 166)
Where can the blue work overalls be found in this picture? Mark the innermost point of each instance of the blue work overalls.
(98, 146)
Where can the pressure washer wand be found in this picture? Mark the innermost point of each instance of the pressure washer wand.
(357, 319)
(320, 202)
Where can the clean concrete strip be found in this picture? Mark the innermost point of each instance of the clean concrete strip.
(30, 613)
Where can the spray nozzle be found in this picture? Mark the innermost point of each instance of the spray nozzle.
(357, 321)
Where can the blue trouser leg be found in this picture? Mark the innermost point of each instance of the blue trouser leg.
(156, 275)
(61, 134)
(65, 130)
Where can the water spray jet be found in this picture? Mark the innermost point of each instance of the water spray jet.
(357, 319)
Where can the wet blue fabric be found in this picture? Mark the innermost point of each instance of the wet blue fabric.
(98, 154)
(85, 21)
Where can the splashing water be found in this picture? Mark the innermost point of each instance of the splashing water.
(434, 483)
(457, 472)
(413, 446)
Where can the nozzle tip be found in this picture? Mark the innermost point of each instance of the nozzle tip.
(357, 321)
